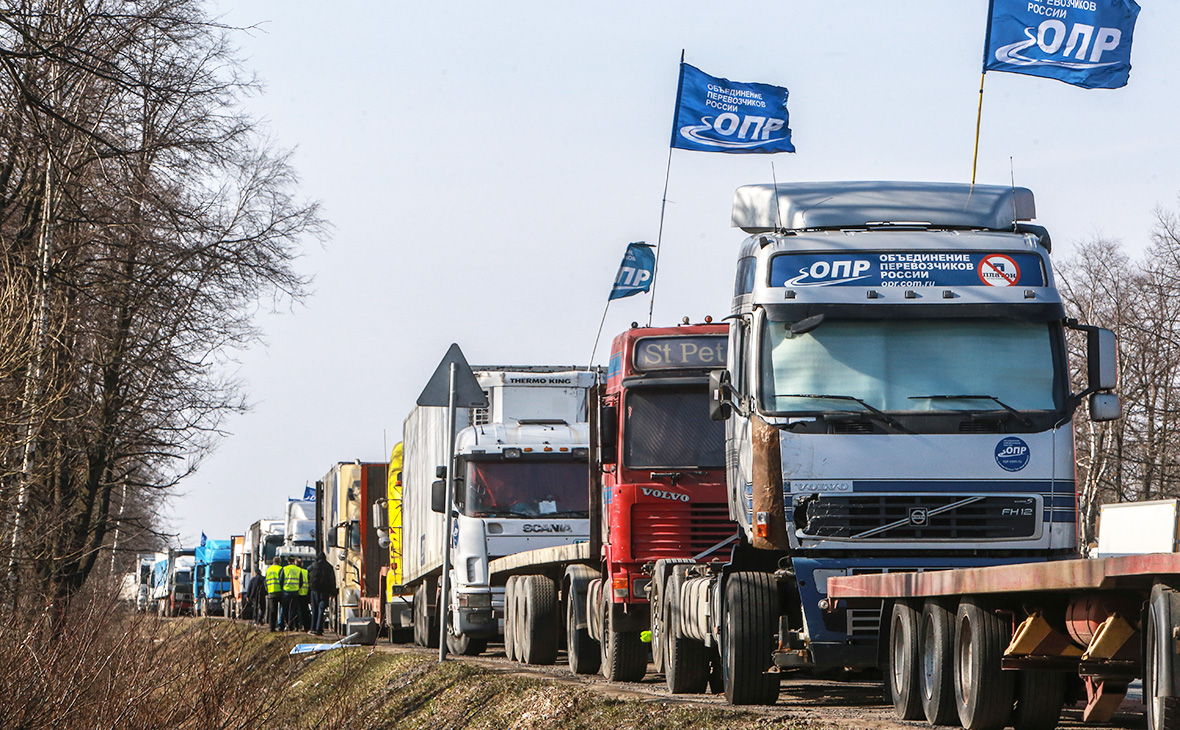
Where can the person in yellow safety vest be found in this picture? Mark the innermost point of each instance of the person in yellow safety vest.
(274, 592)
(304, 612)
(293, 582)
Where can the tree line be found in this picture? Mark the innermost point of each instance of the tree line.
(1138, 456)
(144, 216)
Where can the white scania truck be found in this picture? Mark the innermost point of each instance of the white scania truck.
(898, 399)
(520, 484)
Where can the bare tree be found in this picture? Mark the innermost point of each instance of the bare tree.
(143, 215)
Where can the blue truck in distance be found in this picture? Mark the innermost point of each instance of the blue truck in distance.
(212, 576)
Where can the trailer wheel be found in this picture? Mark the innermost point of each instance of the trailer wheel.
(624, 655)
(984, 692)
(748, 639)
(1163, 713)
(686, 662)
(582, 652)
(540, 629)
(425, 630)
(1040, 695)
(509, 615)
(936, 663)
(902, 661)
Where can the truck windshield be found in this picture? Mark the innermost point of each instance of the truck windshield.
(910, 366)
(668, 427)
(270, 548)
(183, 578)
(526, 488)
(219, 571)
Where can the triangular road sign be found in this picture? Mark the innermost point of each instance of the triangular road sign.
(468, 393)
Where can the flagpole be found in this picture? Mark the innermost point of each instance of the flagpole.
(978, 119)
(599, 335)
(664, 203)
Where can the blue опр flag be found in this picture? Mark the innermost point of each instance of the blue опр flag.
(1086, 43)
(636, 272)
(718, 115)
(203, 539)
(308, 494)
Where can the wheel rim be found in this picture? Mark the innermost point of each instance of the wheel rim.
(928, 659)
(897, 647)
(963, 659)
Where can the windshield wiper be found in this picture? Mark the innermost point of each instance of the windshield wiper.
(1011, 411)
(871, 409)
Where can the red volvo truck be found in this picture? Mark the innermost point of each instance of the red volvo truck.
(657, 505)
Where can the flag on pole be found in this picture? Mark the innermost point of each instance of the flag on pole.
(203, 538)
(1086, 43)
(636, 272)
(718, 115)
(308, 494)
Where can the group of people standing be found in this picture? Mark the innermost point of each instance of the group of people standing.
(296, 598)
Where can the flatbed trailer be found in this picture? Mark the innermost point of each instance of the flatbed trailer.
(1005, 645)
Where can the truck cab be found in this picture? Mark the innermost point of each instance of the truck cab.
(897, 398)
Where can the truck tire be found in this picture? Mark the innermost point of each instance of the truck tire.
(902, 660)
(425, 630)
(541, 621)
(1163, 713)
(520, 638)
(657, 629)
(936, 664)
(686, 661)
(624, 655)
(984, 692)
(1040, 695)
(464, 645)
(582, 652)
(510, 619)
(748, 639)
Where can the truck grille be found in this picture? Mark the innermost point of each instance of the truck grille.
(892, 517)
(677, 530)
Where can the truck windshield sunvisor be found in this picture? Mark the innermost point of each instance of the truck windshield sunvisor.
(896, 365)
(524, 488)
(1030, 312)
(669, 428)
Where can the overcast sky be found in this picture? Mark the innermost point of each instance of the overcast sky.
(485, 164)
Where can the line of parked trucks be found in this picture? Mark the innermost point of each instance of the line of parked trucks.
(868, 464)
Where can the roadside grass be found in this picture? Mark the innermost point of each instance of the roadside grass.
(110, 670)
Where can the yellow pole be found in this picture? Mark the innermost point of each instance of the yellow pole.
(978, 118)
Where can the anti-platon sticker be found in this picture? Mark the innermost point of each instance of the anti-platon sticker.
(1012, 454)
(908, 270)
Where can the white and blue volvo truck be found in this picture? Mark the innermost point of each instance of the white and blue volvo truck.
(897, 398)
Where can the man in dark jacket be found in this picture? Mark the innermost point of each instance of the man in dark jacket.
(322, 580)
(256, 599)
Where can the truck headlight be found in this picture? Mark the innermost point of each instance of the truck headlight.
(475, 600)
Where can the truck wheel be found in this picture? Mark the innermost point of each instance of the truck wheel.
(657, 627)
(1040, 695)
(582, 652)
(540, 629)
(425, 630)
(936, 664)
(464, 645)
(748, 639)
(520, 638)
(510, 619)
(984, 692)
(1163, 713)
(902, 661)
(686, 661)
(624, 655)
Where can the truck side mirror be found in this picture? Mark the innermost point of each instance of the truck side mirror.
(440, 472)
(334, 538)
(608, 434)
(1105, 407)
(438, 496)
(720, 405)
(1102, 356)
